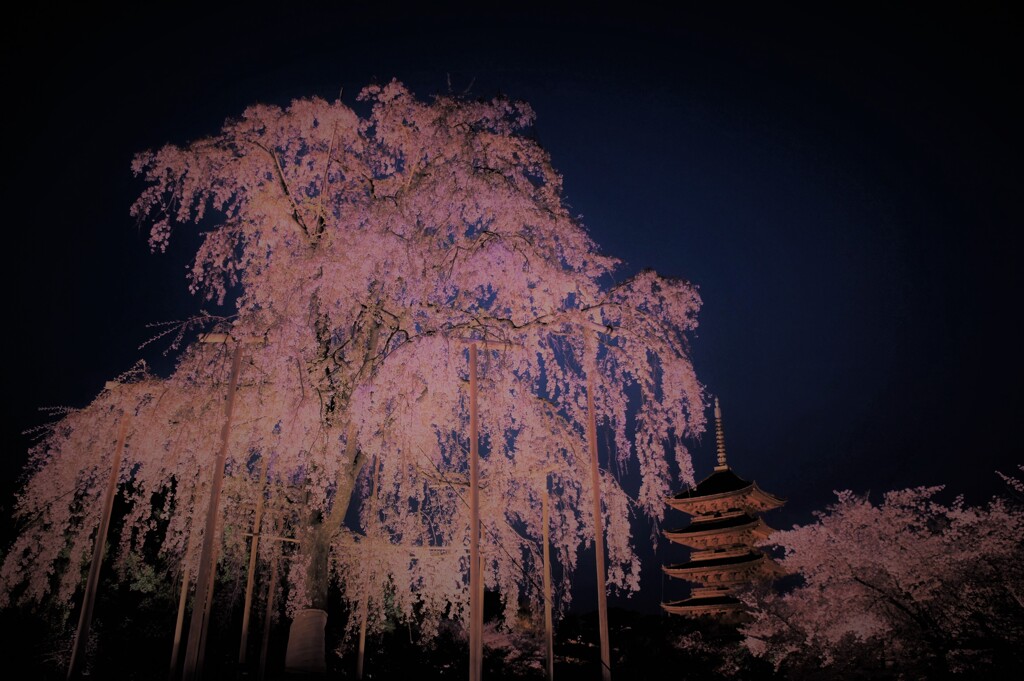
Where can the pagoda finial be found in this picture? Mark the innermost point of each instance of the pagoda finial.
(720, 438)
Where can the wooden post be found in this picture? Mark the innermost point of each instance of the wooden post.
(182, 600)
(595, 476)
(195, 629)
(476, 619)
(549, 638)
(251, 579)
(266, 620)
(364, 606)
(207, 606)
(480, 616)
(363, 613)
(92, 583)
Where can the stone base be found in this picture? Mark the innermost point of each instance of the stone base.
(306, 653)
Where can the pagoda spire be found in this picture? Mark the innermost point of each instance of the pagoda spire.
(720, 438)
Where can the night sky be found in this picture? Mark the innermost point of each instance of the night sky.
(843, 188)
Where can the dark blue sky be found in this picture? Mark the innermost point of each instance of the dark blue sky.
(842, 186)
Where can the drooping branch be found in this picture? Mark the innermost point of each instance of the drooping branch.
(283, 183)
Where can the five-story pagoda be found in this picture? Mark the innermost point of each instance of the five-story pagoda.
(724, 528)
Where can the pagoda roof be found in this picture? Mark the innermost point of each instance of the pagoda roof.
(718, 482)
(706, 600)
(715, 524)
(718, 562)
(720, 485)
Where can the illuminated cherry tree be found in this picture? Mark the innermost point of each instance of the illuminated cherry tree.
(908, 586)
(361, 254)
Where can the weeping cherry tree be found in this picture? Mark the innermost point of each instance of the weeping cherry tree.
(363, 253)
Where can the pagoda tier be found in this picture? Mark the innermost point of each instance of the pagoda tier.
(718, 606)
(710, 532)
(727, 571)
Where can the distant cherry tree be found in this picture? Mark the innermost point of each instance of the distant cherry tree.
(908, 586)
(362, 253)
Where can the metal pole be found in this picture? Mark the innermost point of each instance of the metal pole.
(548, 626)
(595, 476)
(89, 599)
(251, 579)
(475, 601)
(195, 629)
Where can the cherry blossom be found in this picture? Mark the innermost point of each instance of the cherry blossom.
(911, 583)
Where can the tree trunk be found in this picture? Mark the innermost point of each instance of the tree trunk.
(306, 652)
